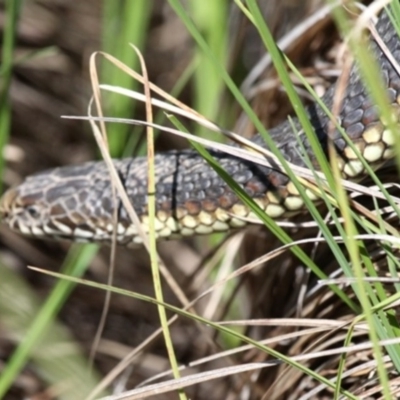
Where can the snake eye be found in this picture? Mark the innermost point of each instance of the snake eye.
(33, 211)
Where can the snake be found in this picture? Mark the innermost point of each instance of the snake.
(77, 202)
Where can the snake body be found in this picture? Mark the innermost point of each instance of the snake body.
(76, 202)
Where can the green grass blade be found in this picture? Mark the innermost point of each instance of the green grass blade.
(211, 17)
(35, 328)
(13, 8)
(123, 23)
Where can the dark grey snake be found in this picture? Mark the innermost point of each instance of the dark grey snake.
(76, 202)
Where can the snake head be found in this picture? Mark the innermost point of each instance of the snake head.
(24, 212)
(49, 205)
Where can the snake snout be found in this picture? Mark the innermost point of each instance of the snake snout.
(13, 202)
(7, 203)
(20, 211)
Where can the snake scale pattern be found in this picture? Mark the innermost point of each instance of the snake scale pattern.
(75, 202)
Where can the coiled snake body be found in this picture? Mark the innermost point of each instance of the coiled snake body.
(76, 202)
